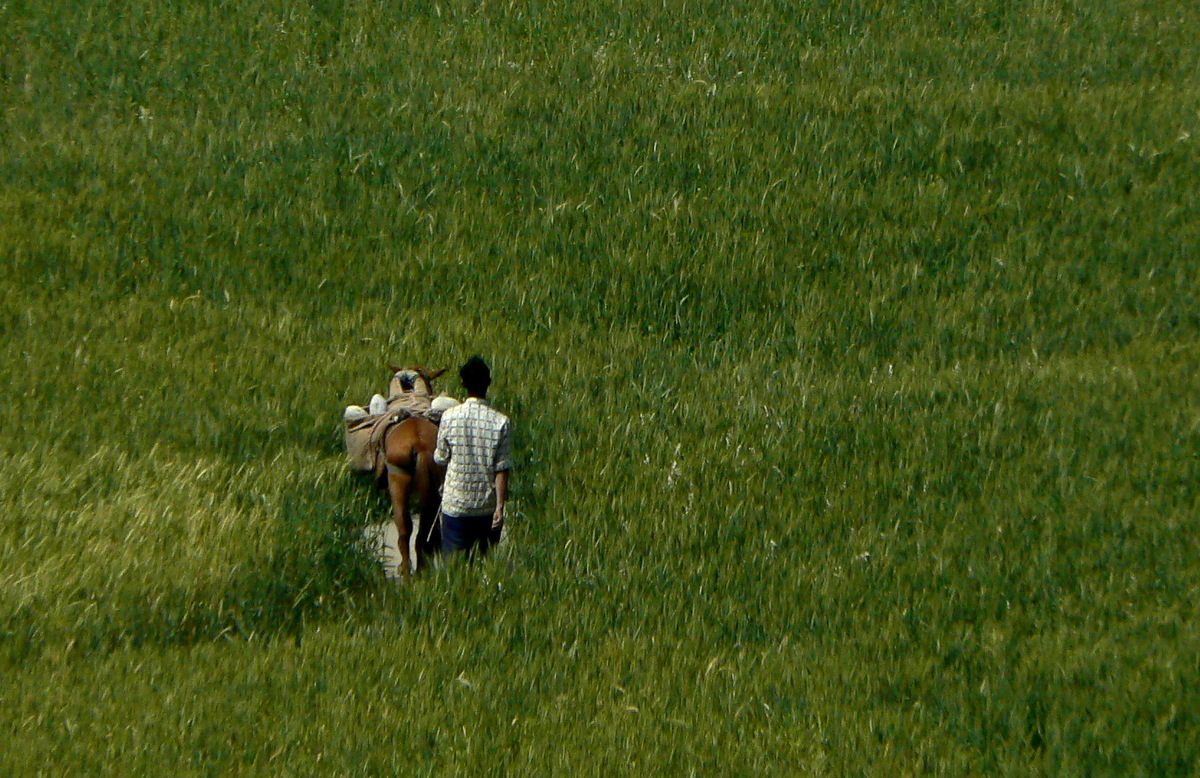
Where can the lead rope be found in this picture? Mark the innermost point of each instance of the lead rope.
(437, 522)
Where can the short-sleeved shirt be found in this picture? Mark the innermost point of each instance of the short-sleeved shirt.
(473, 440)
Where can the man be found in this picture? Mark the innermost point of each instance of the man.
(473, 444)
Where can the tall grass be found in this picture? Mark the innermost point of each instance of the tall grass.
(851, 349)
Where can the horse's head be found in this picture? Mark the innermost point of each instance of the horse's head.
(413, 380)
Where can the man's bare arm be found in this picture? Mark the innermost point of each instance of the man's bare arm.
(501, 497)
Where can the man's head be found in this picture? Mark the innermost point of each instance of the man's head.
(476, 376)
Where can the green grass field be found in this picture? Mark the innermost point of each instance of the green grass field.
(852, 349)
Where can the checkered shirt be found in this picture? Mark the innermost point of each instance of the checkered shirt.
(473, 441)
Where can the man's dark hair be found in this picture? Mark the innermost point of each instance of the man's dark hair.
(475, 375)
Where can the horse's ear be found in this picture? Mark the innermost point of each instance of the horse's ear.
(435, 373)
(394, 369)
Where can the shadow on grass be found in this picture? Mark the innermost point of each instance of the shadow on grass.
(319, 565)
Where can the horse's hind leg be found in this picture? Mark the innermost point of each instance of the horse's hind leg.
(398, 485)
(427, 491)
(430, 540)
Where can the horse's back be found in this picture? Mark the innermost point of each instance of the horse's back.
(409, 439)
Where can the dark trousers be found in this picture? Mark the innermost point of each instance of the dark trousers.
(473, 534)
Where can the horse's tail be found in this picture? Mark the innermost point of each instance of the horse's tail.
(421, 475)
(395, 462)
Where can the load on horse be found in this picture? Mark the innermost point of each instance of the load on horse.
(392, 441)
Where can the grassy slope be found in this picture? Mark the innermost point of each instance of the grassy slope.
(851, 347)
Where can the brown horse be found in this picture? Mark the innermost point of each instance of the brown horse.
(412, 475)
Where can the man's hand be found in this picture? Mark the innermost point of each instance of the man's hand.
(498, 517)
